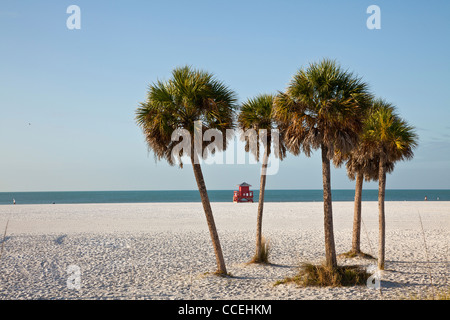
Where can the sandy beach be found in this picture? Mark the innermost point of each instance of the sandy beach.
(163, 250)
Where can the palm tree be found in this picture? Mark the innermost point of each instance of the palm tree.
(360, 166)
(323, 108)
(188, 97)
(256, 114)
(391, 139)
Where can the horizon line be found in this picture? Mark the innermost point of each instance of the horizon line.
(168, 190)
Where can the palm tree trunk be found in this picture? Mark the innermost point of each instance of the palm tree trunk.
(381, 216)
(262, 187)
(330, 249)
(356, 240)
(221, 269)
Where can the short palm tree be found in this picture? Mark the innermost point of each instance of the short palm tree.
(323, 108)
(188, 97)
(361, 165)
(257, 114)
(390, 139)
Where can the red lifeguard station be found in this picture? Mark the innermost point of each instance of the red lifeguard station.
(244, 194)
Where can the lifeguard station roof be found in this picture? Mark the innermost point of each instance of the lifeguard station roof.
(244, 184)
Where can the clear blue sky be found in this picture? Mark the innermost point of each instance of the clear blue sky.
(67, 97)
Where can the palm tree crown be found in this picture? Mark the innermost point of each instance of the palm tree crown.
(363, 159)
(387, 134)
(323, 105)
(257, 113)
(190, 95)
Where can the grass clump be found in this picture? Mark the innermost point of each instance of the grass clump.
(263, 256)
(219, 274)
(354, 254)
(4, 239)
(442, 294)
(324, 276)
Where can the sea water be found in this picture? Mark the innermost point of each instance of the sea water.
(214, 196)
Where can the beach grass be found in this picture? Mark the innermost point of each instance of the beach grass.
(263, 256)
(325, 276)
(430, 294)
(219, 274)
(353, 254)
(4, 239)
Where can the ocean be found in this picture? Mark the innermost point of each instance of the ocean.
(6, 198)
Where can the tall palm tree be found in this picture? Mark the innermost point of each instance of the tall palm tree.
(391, 139)
(256, 114)
(323, 108)
(188, 97)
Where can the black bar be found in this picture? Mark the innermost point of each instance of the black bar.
(221, 309)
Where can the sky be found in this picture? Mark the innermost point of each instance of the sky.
(68, 96)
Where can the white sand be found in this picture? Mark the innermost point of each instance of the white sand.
(162, 251)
